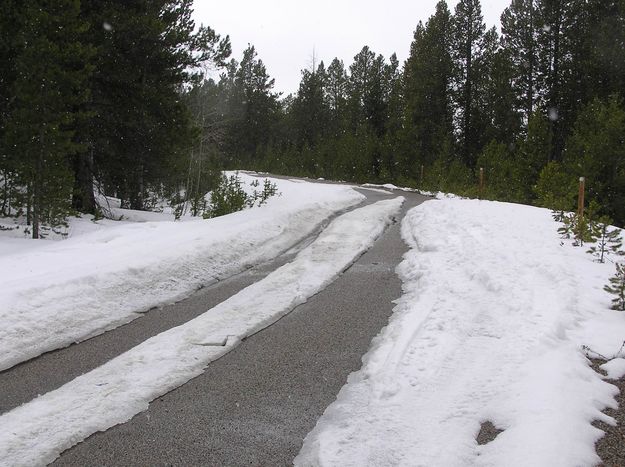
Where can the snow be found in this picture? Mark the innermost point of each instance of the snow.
(54, 293)
(615, 368)
(11, 246)
(390, 186)
(37, 432)
(375, 190)
(491, 327)
(497, 323)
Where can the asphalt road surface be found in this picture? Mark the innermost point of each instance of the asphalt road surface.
(253, 406)
(47, 372)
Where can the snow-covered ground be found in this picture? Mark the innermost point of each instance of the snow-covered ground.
(496, 317)
(37, 432)
(491, 327)
(54, 293)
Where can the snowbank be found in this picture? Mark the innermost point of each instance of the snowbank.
(56, 293)
(490, 328)
(391, 187)
(37, 432)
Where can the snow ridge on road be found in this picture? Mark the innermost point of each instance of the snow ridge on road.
(71, 290)
(490, 328)
(37, 432)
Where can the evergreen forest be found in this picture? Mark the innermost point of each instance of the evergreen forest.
(113, 97)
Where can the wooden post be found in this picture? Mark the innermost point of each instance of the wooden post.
(422, 171)
(481, 182)
(580, 197)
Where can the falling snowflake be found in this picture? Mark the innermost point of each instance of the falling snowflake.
(552, 113)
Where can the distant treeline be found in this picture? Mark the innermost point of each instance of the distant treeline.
(536, 106)
(108, 95)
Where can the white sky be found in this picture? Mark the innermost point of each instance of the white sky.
(285, 32)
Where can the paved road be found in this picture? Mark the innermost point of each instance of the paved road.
(24, 382)
(254, 405)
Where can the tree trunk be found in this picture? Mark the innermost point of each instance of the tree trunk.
(6, 208)
(37, 188)
(29, 204)
(83, 199)
(532, 60)
(137, 199)
(468, 104)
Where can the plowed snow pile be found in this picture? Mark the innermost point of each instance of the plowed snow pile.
(491, 326)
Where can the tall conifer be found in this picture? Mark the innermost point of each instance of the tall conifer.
(50, 82)
(467, 49)
(427, 82)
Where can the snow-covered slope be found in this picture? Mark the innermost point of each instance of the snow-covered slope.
(491, 326)
(56, 293)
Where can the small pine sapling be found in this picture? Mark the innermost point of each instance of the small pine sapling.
(567, 227)
(617, 287)
(255, 194)
(608, 240)
(580, 228)
(558, 216)
(269, 189)
(583, 227)
(227, 197)
(583, 231)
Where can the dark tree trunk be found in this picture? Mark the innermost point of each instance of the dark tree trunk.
(29, 204)
(468, 103)
(38, 186)
(531, 64)
(6, 206)
(83, 199)
(137, 199)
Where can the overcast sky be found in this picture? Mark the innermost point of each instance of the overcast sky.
(285, 32)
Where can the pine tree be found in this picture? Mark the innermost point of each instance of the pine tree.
(467, 50)
(608, 240)
(9, 48)
(532, 155)
(495, 116)
(336, 94)
(394, 122)
(605, 64)
(427, 84)
(376, 97)
(358, 86)
(140, 128)
(556, 189)
(311, 110)
(254, 107)
(499, 171)
(50, 75)
(617, 287)
(595, 151)
(562, 65)
(519, 27)
(367, 108)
